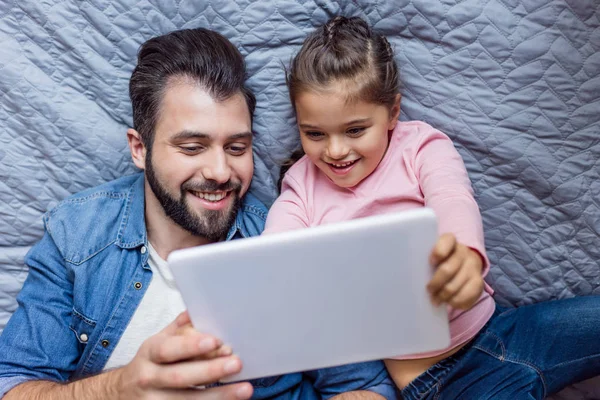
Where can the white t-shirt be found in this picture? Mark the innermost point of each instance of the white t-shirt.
(161, 304)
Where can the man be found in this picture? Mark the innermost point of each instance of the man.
(99, 307)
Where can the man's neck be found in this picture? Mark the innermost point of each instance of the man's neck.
(164, 234)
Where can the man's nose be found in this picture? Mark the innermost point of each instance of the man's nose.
(217, 167)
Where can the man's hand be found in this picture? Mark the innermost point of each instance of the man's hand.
(457, 280)
(167, 366)
(170, 363)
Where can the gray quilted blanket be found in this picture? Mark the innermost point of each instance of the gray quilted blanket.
(516, 84)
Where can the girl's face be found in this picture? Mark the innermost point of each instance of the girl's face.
(345, 140)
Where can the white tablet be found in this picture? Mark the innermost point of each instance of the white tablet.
(318, 297)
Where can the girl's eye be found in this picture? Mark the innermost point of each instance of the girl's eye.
(355, 131)
(314, 134)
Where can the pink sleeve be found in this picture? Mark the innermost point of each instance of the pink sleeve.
(288, 212)
(447, 190)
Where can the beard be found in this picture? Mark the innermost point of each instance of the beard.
(210, 224)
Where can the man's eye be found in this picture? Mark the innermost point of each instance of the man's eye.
(237, 150)
(191, 149)
(355, 131)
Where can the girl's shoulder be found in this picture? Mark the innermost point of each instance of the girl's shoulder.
(414, 129)
(300, 167)
(412, 134)
(301, 172)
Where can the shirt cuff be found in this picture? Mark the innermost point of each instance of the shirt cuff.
(386, 389)
(10, 382)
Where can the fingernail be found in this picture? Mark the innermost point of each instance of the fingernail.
(225, 350)
(232, 366)
(206, 344)
(244, 392)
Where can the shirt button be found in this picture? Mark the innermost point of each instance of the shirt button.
(105, 343)
(83, 337)
(137, 285)
(143, 250)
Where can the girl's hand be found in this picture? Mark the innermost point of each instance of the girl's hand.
(457, 280)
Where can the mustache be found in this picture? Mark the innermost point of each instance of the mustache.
(212, 186)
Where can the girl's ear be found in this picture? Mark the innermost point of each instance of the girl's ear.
(394, 112)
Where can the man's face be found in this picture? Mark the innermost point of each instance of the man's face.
(200, 164)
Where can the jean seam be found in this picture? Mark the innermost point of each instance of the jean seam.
(520, 362)
(572, 361)
(499, 342)
(439, 391)
(422, 395)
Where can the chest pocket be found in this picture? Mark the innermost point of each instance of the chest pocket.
(82, 327)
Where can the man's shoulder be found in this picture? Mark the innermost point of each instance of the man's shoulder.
(252, 215)
(251, 204)
(91, 219)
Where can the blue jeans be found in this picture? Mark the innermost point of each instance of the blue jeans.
(527, 352)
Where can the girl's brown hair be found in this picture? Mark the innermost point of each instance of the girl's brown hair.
(344, 51)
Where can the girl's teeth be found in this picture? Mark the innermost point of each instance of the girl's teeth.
(342, 165)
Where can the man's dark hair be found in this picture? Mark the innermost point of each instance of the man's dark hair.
(202, 56)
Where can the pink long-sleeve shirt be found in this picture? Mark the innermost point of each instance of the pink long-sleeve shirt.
(421, 168)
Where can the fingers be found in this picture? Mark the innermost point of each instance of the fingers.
(451, 288)
(238, 391)
(444, 274)
(181, 320)
(443, 248)
(221, 351)
(169, 349)
(185, 329)
(193, 373)
(457, 280)
(468, 295)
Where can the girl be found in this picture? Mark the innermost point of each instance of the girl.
(360, 161)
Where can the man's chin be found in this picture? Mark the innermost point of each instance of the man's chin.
(214, 222)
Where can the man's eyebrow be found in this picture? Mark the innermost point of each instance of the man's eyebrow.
(241, 135)
(186, 134)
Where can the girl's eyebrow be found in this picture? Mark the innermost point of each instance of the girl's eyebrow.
(358, 121)
(308, 126)
(353, 122)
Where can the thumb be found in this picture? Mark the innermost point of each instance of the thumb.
(443, 248)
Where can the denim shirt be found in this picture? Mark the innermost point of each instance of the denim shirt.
(87, 276)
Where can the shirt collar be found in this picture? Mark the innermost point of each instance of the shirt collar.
(132, 229)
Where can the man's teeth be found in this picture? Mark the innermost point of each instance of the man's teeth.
(343, 164)
(210, 196)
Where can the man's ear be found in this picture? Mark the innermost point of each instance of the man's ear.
(137, 148)
(395, 112)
